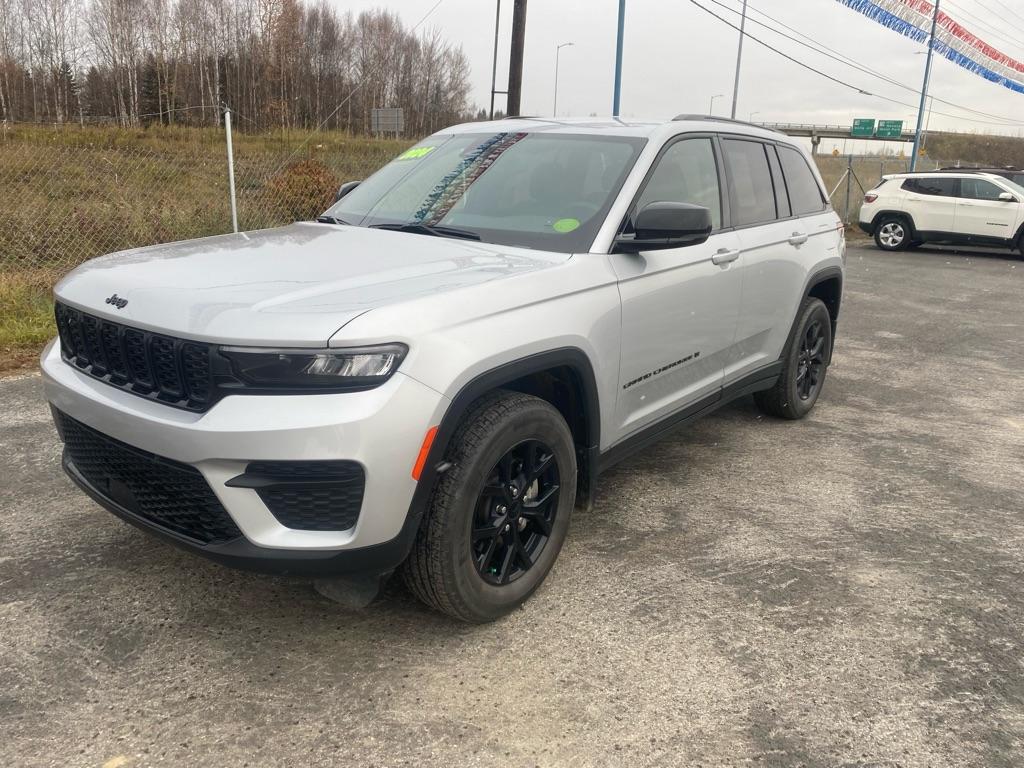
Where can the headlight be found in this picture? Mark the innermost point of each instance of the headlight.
(341, 369)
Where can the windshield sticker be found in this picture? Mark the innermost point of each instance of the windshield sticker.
(416, 153)
(565, 225)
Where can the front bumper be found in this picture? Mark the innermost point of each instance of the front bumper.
(381, 429)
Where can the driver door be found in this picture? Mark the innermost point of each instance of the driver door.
(680, 306)
(980, 212)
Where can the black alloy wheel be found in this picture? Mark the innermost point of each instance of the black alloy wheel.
(515, 513)
(811, 361)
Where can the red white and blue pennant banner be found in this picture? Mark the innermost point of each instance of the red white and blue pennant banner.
(913, 19)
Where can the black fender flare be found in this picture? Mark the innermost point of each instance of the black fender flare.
(572, 358)
(815, 278)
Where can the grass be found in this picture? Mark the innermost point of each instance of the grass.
(26, 317)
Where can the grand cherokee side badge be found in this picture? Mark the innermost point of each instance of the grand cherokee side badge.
(117, 301)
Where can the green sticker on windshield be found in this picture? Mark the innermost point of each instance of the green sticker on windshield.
(415, 153)
(565, 225)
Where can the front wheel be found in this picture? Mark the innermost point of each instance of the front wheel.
(892, 234)
(804, 364)
(498, 517)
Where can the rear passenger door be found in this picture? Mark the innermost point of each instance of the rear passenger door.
(679, 305)
(785, 228)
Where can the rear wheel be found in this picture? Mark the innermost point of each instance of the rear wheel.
(892, 233)
(498, 517)
(804, 364)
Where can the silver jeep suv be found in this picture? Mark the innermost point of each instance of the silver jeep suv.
(431, 376)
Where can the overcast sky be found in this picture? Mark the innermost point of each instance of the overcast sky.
(677, 57)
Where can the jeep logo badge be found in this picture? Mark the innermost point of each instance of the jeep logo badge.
(117, 301)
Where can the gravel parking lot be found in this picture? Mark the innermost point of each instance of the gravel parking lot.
(844, 590)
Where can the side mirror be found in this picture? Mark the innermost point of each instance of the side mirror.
(662, 225)
(345, 188)
(1006, 197)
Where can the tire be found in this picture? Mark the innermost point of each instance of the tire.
(892, 233)
(448, 568)
(799, 384)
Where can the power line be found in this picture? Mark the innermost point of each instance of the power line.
(836, 80)
(848, 61)
(1009, 10)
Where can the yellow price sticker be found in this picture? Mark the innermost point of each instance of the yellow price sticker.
(415, 153)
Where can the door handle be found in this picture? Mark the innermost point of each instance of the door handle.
(798, 238)
(724, 256)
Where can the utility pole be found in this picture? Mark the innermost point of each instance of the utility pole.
(924, 88)
(617, 93)
(494, 67)
(515, 67)
(739, 58)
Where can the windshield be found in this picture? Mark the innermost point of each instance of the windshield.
(537, 190)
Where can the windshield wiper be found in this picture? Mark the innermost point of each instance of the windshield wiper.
(437, 230)
(325, 219)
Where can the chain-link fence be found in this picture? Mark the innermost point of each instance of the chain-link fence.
(71, 194)
(68, 196)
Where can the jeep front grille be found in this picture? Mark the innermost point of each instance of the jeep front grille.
(173, 371)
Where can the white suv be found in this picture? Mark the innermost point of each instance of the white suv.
(432, 375)
(959, 208)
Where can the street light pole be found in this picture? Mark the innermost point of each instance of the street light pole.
(739, 58)
(558, 50)
(711, 106)
(924, 88)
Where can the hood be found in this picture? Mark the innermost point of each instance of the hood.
(294, 285)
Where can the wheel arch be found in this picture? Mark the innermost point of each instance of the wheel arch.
(827, 285)
(563, 377)
(898, 214)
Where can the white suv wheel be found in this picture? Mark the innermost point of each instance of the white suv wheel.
(891, 235)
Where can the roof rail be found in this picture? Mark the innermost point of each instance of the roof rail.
(722, 120)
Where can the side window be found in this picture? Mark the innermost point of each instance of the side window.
(979, 189)
(940, 187)
(751, 181)
(804, 193)
(686, 173)
(781, 195)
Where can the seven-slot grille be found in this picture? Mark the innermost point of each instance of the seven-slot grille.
(169, 494)
(174, 371)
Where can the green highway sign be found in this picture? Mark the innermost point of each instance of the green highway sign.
(889, 129)
(863, 126)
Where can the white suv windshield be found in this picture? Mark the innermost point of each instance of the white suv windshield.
(536, 190)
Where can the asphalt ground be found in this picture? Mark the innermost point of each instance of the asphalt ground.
(845, 590)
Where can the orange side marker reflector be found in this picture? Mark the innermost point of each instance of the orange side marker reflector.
(421, 460)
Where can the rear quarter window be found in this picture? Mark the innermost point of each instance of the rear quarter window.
(805, 196)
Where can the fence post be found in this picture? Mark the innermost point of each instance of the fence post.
(231, 170)
(849, 180)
